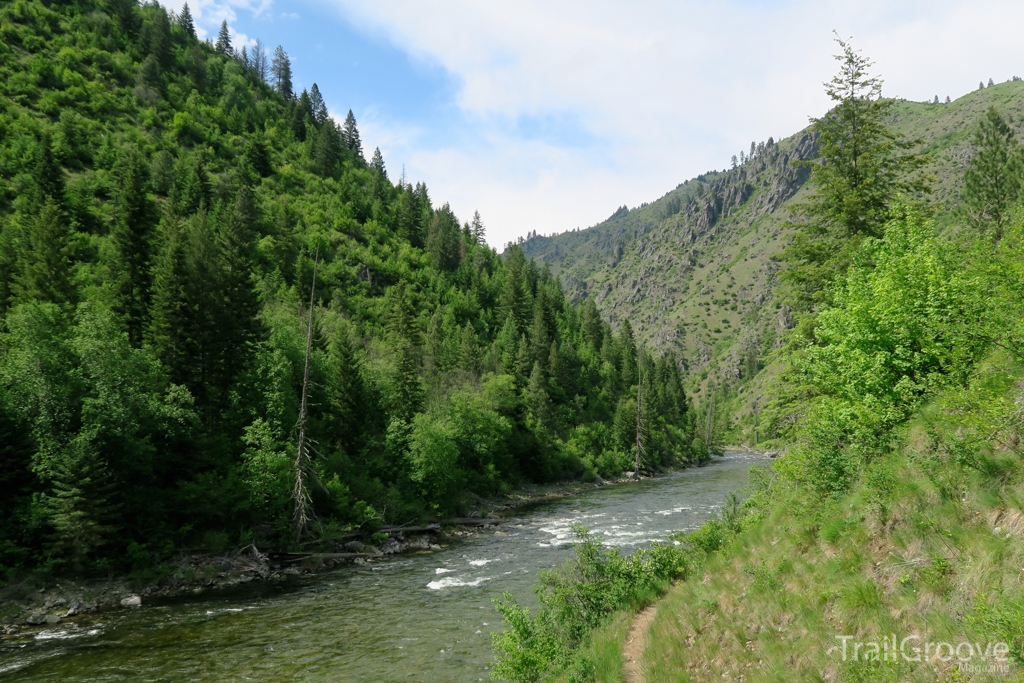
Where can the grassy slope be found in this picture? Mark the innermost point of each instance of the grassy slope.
(928, 546)
(708, 291)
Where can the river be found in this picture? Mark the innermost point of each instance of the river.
(422, 617)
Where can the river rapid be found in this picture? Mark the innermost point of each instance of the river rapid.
(422, 617)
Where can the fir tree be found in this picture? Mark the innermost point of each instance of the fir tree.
(44, 259)
(864, 167)
(130, 234)
(223, 44)
(281, 68)
(317, 106)
(478, 231)
(443, 239)
(328, 150)
(185, 21)
(191, 190)
(377, 163)
(350, 134)
(538, 401)
(992, 183)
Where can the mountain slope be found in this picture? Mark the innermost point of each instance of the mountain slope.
(693, 271)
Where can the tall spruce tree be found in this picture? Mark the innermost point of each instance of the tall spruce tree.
(281, 68)
(185, 21)
(317, 106)
(44, 260)
(223, 44)
(443, 239)
(350, 134)
(135, 218)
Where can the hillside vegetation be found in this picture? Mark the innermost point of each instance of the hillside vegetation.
(885, 543)
(220, 324)
(696, 271)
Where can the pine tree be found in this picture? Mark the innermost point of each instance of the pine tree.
(239, 328)
(47, 173)
(135, 217)
(864, 166)
(537, 400)
(281, 68)
(170, 325)
(593, 326)
(191, 190)
(469, 354)
(223, 44)
(350, 134)
(947, 99)
(377, 163)
(479, 232)
(185, 21)
(992, 183)
(44, 259)
(317, 106)
(990, 82)
(344, 390)
(79, 503)
(443, 239)
(328, 150)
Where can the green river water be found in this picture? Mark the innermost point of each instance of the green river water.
(423, 617)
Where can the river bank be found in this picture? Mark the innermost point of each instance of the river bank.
(422, 615)
(29, 607)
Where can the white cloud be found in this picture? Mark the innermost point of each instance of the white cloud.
(670, 89)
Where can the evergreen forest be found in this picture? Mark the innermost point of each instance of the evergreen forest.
(221, 324)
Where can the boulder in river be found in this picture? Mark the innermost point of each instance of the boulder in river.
(132, 602)
(36, 619)
(354, 547)
(52, 619)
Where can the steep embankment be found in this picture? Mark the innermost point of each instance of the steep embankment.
(694, 272)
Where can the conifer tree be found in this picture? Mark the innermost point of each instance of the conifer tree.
(281, 68)
(477, 229)
(537, 399)
(169, 331)
(130, 234)
(223, 44)
(593, 326)
(377, 163)
(992, 183)
(191, 190)
(317, 106)
(328, 150)
(443, 239)
(863, 167)
(469, 354)
(350, 134)
(185, 21)
(44, 258)
(344, 390)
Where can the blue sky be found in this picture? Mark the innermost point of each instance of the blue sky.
(546, 115)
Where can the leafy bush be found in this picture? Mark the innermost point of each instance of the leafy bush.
(576, 598)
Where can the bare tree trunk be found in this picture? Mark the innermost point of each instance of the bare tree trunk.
(639, 423)
(300, 519)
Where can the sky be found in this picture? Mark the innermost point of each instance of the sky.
(547, 115)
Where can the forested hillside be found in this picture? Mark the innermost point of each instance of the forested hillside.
(697, 270)
(174, 220)
(893, 516)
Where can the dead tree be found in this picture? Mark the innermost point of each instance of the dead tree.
(639, 456)
(301, 517)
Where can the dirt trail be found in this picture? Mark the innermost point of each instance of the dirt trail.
(636, 641)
